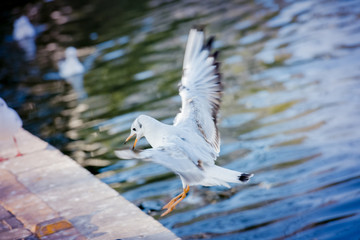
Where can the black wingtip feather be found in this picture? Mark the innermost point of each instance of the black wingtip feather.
(217, 91)
(244, 177)
(217, 67)
(215, 55)
(209, 43)
(199, 27)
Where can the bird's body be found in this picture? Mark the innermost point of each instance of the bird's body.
(71, 66)
(191, 145)
(10, 123)
(24, 33)
(23, 29)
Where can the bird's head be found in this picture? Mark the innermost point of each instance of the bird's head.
(3, 104)
(70, 52)
(136, 129)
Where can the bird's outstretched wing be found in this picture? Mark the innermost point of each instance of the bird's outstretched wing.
(200, 89)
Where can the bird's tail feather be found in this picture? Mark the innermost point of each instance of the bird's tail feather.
(223, 176)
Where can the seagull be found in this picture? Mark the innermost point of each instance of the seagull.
(71, 66)
(24, 33)
(10, 123)
(23, 29)
(191, 145)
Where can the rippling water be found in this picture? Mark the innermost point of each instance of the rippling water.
(290, 111)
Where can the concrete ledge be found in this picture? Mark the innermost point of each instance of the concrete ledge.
(44, 185)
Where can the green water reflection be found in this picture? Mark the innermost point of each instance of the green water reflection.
(289, 111)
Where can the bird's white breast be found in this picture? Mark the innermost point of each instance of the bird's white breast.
(10, 123)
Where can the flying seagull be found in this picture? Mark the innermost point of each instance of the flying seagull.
(191, 145)
(10, 123)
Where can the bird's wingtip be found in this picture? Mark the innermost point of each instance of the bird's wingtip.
(244, 177)
(198, 27)
(124, 154)
(118, 153)
(127, 153)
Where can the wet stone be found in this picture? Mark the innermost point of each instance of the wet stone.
(12, 228)
(52, 226)
(31, 237)
(68, 234)
(46, 195)
(4, 226)
(4, 213)
(17, 233)
(13, 222)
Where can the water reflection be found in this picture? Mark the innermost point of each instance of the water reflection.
(290, 110)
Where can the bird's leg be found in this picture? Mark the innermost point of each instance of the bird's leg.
(172, 201)
(186, 190)
(175, 201)
(18, 151)
(17, 147)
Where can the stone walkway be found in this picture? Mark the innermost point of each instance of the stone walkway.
(12, 228)
(46, 195)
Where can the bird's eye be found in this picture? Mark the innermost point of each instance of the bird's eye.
(134, 129)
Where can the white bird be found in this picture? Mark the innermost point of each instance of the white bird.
(10, 123)
(71, 66)
(191, 145)
(24, 33)
(23, 29)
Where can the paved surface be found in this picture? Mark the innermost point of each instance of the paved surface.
(12, 228)
(46, 195)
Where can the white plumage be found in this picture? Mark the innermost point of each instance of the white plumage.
(24, 33)
(71, 66)
(23, 29)
(191, 145)
(10, 123)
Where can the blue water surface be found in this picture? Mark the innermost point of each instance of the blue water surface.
(290, 112)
